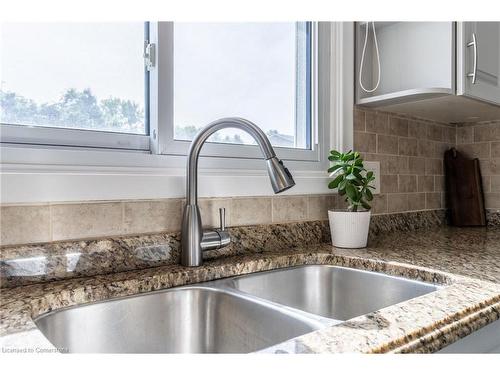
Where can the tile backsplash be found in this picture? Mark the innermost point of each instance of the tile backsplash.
(23, 224)
(410, 152)
(482, 140)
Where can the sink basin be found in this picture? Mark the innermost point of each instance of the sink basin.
(333, 292)
(182, 320)
(237, 315)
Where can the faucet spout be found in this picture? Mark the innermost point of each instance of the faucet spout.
(194, 241)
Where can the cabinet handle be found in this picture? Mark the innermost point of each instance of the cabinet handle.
(474, 64)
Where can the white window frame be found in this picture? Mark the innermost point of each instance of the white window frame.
(40, 136)
(34, 173)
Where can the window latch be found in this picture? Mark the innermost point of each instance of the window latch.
(149, 55)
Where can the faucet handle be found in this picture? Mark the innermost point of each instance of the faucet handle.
(222, 218)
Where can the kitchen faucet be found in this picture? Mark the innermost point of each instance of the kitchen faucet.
(193, 239)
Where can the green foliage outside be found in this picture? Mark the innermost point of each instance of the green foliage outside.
(188, 132)
(82, 110)
(74, 109)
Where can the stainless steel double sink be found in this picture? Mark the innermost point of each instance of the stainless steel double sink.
(236, 315)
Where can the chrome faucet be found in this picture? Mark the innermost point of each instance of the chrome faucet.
(193, 239)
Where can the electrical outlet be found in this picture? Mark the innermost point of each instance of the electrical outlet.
(374, 166)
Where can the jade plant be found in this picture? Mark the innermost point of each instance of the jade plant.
(351, 179)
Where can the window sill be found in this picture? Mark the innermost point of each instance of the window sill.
(54, 175)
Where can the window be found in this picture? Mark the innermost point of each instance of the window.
(258, 71)
(87, 85)
(74, 76)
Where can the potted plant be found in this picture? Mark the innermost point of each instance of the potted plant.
(349, 227)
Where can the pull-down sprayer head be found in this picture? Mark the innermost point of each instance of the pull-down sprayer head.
(280, 176)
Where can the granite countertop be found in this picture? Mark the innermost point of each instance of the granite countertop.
(466, 261)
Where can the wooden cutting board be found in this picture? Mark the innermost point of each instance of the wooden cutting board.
(464, 190)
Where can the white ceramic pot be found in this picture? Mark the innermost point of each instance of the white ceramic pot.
(349, 229)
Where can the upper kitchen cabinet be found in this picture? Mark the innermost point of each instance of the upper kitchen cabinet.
(444, 71)
(478, 60)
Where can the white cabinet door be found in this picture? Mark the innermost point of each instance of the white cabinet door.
(478, 60)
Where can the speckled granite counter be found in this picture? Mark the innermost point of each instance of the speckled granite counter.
(466, 261)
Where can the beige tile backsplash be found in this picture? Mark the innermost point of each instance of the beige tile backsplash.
(23, 224)
(94, 219)
(482, 141)
(410, 152)
(251, 210)
(288, 208)
(416, 201)
(152, 216)
(316, 204)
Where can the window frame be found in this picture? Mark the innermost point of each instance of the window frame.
(163, 90)
(51, 136)
(44, 136)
